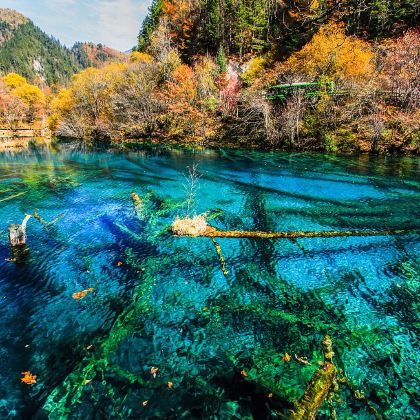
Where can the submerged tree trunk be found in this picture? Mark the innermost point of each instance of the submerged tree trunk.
(320, 386)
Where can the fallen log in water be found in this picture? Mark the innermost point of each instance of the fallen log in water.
(323, 382)
(211, 232)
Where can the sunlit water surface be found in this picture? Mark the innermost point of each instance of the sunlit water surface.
(162, 301)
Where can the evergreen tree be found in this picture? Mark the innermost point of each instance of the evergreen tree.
(221, 60)
(150, 23)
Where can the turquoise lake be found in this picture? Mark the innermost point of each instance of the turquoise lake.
(154, 300)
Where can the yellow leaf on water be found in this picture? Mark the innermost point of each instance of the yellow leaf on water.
(286, 357)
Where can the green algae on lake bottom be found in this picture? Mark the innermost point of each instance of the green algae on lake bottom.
(167, 302)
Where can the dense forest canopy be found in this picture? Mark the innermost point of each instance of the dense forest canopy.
(255, 26)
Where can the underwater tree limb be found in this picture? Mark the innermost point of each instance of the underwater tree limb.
(38, 217)
(11, 197)
(221, 258)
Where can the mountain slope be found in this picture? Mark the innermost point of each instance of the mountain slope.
(89, 54)
(27, 50)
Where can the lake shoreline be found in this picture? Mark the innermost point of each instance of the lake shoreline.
(18, 141)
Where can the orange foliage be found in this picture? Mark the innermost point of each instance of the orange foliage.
(191, 98)
(332, 54)
(28, 378)
(178, 15)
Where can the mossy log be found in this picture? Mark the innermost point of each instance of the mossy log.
(322, 383)
(211, 232)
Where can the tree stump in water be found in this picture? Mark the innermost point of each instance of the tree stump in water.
(17, 233)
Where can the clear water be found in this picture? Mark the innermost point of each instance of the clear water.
(168, 305)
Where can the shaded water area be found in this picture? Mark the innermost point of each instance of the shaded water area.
(162, 301)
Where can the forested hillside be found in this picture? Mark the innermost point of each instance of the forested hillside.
(89, 54)
(25, 49)
(30, 52)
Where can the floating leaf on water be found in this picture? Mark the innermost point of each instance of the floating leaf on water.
(286, 357)
(28, 378)
(88, 381)
(82, 294)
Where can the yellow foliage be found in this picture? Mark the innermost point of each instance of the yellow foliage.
(13, 80)
(30, 94)
(332, 54)
(138, 57)
(255, 70)
(60, 106)
(31, 98)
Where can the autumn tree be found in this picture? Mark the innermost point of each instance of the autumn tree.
(31, 96)
(333, 55)
(400, 68)
(192, 98)
(85, 106)
(137, 108)
(13, 110)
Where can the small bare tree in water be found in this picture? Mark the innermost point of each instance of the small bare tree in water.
(191, 186)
